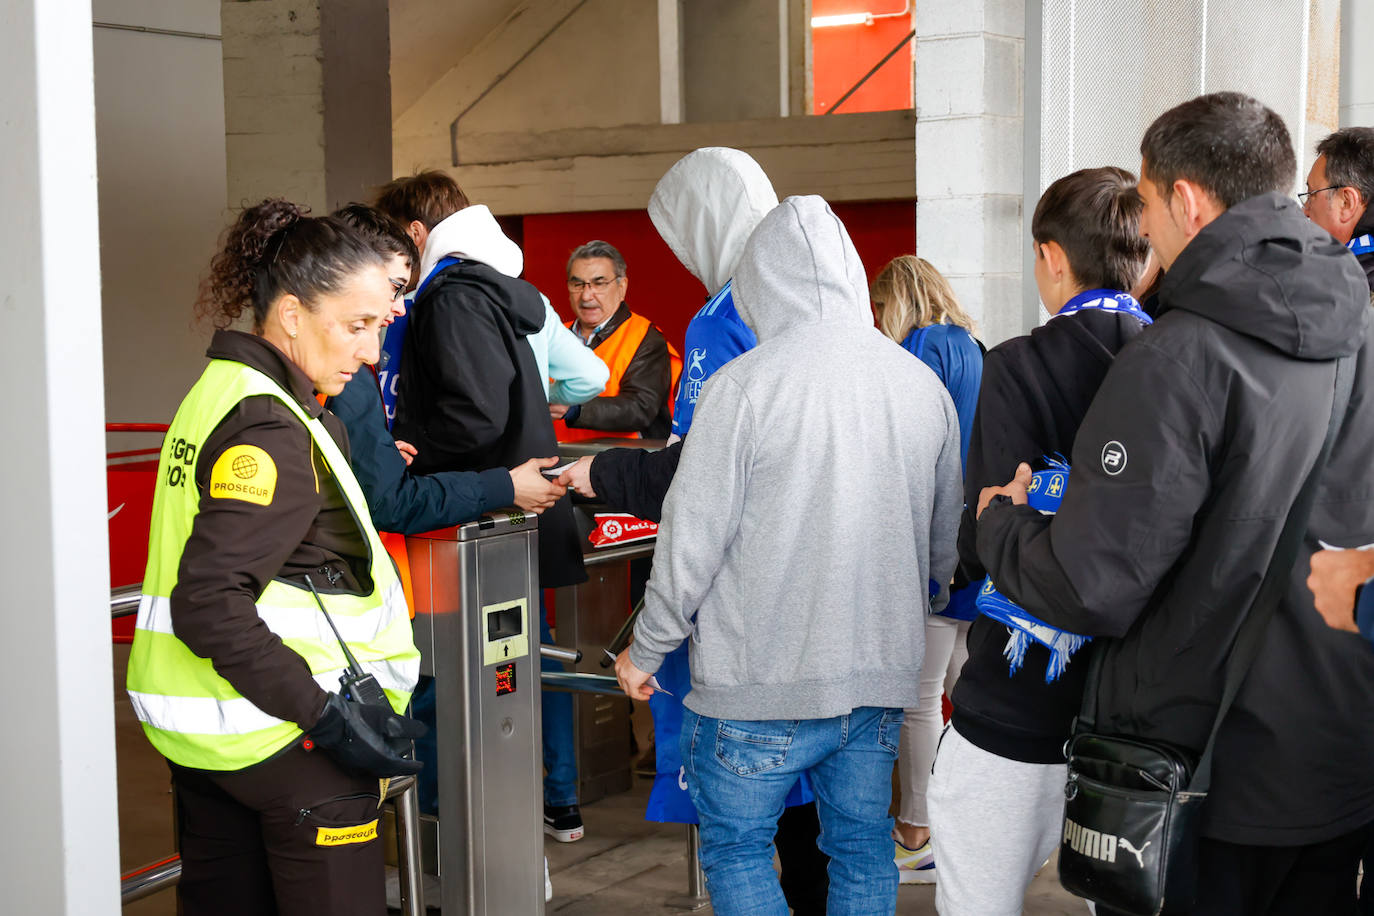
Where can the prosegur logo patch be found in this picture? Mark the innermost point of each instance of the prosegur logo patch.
(343, 836)
(244, 472)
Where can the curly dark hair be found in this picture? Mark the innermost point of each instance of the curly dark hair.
(274, 248)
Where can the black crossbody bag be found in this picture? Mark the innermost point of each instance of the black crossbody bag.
(1133, 806)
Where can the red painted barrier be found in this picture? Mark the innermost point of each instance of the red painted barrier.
(130, 483)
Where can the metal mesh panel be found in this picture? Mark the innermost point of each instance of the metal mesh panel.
(1110, 67)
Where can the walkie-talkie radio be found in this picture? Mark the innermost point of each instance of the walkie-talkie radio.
(355, 683)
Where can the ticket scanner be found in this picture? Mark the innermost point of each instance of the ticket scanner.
(476, 591)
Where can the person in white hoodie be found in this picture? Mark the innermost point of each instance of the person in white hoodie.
(811, 520)
(472, 394)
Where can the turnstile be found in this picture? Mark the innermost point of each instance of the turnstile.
(476, 601)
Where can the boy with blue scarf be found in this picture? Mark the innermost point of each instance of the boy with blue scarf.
(996, 793)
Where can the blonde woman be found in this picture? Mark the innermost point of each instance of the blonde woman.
(916, 307)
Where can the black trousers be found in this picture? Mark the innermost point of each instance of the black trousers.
(292, 836)
(1238, 880)
(805, 878)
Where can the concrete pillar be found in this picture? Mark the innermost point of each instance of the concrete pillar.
(1357, 65)
(61, 852)
(307, 99)
(969, 64)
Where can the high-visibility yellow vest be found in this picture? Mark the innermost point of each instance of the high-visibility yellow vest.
(193, 716)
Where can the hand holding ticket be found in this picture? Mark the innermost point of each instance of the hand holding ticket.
(629, 677)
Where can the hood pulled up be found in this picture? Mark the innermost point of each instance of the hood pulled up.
(800, 267)
(706, 206)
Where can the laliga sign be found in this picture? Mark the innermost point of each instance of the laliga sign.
(620, 528)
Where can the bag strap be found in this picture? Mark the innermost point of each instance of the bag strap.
(1250, 636)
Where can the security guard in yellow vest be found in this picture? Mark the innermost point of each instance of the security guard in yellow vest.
(259, 528)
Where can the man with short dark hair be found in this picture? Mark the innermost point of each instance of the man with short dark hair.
(1340, 186)
(1184, 471)
(644, 366)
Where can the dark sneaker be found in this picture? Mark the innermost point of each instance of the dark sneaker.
(563, 822)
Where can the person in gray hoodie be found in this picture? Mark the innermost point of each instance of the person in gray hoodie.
(808, 531)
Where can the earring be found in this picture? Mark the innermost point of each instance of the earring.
(293, 335)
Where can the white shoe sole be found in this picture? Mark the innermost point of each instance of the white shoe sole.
(565, 836)
(913, 876)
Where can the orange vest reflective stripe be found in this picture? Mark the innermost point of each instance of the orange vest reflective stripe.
(616, 352)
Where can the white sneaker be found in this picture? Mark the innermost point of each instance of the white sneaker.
(548, 885)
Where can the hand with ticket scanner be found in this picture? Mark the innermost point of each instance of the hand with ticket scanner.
(1336, 574)
(533, 491)
(1015, 488)
(634, 682)
(578, 476)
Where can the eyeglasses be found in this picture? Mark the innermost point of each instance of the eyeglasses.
(1304, 196)
(599, 285)
(398, 289)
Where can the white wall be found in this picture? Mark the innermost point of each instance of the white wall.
(160, 142)
(1357, 65)
(61, 849)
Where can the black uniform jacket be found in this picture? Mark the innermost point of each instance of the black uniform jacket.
(1035, 392)
(470, 396)
(1183, 472)
(641, 405)
(236, 548)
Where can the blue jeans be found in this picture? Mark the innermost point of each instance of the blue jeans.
(560, 749)
(739, 773)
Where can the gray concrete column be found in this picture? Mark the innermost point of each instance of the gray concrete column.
(969, 65)
(1357, 63)
(307, 100)
(61, 852)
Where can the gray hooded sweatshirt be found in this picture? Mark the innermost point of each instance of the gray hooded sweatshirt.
(816, 500)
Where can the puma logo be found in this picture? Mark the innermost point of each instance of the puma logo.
(1097, 845)
(1130, 847)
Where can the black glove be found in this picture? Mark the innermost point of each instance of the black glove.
(367, 739)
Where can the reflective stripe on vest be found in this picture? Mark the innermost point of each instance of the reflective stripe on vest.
(193, 716)
(617, 351)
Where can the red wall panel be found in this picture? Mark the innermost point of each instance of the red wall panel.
(841, 55)
(660, 288)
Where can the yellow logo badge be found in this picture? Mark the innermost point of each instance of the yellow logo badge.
(343, 836)
(244, 472)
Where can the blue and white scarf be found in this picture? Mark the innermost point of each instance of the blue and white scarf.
(1362, 245)
(1045, 493)
(1107, 300)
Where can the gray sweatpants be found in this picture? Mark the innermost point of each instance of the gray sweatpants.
(993, 823)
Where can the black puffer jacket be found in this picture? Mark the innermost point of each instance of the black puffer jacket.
(1183, 472)
(470, 397)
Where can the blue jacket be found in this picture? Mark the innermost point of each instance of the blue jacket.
(715, 336)
(397, 499)
(958, 360)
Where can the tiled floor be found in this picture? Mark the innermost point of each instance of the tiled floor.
(624, 865)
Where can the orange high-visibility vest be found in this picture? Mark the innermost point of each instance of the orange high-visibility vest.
(616, 352)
